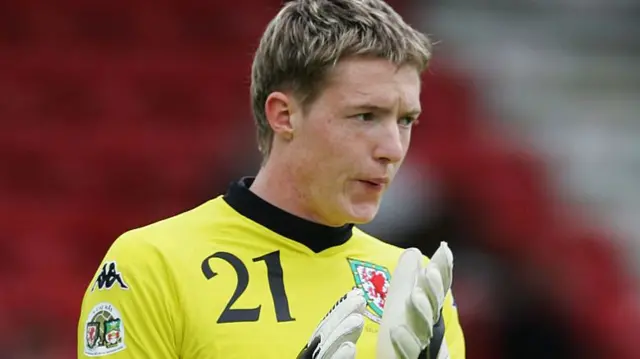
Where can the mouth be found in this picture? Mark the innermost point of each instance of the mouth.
(375, 183)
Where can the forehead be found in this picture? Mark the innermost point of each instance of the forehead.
(378, 81)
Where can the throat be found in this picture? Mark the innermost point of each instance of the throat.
(258, 204)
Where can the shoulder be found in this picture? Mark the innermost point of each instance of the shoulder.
(169, 233)
(151, 258)
(386, 252)
(377, 245)
(159, 246)
(376, 250)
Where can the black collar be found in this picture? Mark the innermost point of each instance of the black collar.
(316, 237)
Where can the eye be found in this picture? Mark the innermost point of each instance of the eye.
(366, 117)
(408, 121)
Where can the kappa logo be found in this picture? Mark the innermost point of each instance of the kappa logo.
(104, 331)
(374, 280)
(108, 277)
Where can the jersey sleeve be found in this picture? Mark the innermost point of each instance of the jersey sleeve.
(129, 309)
(453, 334)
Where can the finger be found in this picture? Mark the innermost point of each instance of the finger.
(442, 259)
(347, 350)
(430, 282)
(349, 330)
(352, 302)
(422, 318)
(404, 276)
(402, 283)
(405, 344)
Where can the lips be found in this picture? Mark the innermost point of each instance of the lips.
(383, 181)
(375, 183)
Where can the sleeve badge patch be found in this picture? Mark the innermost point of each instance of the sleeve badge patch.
(104, 331)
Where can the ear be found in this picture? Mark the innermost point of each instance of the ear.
(279, 110)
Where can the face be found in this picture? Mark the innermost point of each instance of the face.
(349, 143)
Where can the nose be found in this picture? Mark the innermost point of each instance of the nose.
(390, 148)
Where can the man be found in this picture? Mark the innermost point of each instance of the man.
(335, 92)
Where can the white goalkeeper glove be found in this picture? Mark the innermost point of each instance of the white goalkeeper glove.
(337, 334)
(412, 312)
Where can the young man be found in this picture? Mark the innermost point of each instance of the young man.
(335, 92)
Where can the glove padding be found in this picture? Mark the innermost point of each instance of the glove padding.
(414, 303)
(336, 335)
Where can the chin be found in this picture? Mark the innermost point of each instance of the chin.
(362, 214)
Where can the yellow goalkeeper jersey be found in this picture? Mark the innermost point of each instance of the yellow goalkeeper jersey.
(237, 278)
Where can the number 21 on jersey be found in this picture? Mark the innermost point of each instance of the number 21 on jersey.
(276, 285)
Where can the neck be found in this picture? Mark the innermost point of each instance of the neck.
(274, 184)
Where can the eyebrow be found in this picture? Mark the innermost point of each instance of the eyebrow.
(374, 108)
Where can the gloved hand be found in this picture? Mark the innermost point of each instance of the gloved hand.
(412, 314)
(336, 335)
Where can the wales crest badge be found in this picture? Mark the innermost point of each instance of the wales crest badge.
(374, 280)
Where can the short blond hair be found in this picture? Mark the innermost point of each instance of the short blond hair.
(308, 37)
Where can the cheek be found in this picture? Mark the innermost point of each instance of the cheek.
(331, 138)
(331, 146)
(335, 161)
